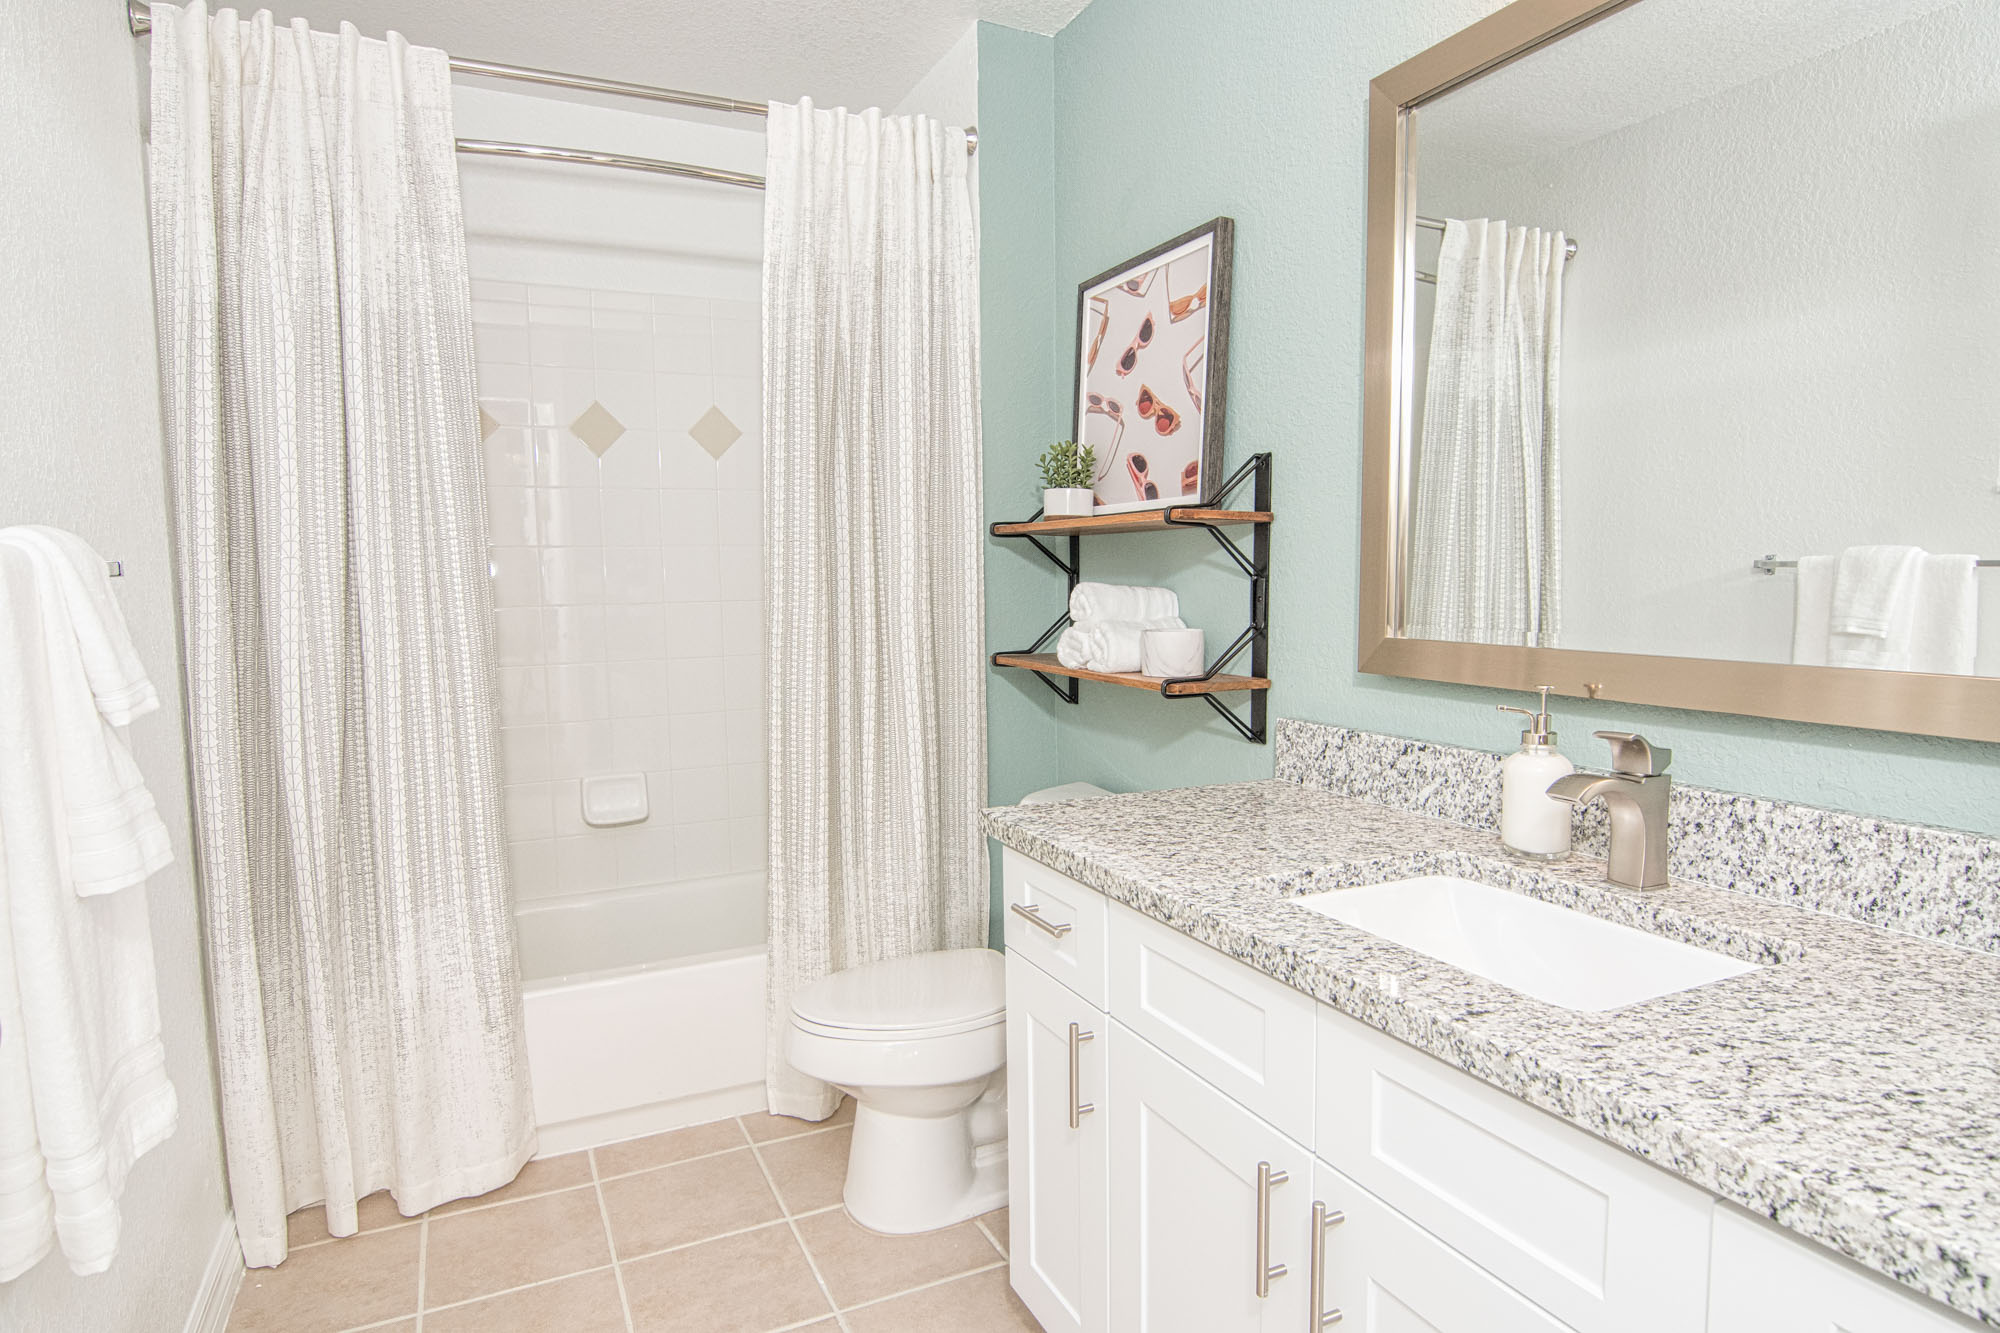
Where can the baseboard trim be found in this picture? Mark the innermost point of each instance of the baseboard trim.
(219, 1282)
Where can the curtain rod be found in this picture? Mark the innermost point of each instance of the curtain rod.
(1437, 224)
(140, 16)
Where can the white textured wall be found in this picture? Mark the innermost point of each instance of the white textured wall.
(80, 448)
(1778, 335)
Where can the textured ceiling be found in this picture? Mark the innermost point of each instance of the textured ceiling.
(838, 52)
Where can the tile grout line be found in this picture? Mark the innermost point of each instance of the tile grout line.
(610, 1239)
(926, 1286)
(798, 1237)
(423, 1265)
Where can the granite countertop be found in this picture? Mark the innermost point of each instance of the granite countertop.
(1850, 1089)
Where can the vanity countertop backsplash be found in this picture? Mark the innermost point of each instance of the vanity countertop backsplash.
(1849, 1088)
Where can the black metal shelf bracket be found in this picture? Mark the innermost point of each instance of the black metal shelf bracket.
(1256, 566)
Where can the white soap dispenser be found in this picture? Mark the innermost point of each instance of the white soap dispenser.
(1531, 824)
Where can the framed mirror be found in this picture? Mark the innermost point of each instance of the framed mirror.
(1683, 359)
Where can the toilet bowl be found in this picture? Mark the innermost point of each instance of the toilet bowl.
(920, 1043)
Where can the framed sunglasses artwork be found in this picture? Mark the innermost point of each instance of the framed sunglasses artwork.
(1151, 371)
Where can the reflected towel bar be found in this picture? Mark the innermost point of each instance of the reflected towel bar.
(1770, 564)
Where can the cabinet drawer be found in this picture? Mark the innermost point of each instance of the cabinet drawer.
(1055, 923)
(1768, 1281)
(1594, 1235)
(1385, 1274)
(1250, 1036)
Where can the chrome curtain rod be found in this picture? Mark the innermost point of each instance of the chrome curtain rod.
(1437, 224)
(1770, 564)
(140, 16)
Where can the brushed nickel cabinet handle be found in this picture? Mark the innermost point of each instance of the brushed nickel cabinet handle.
(1324, 1220)
(1077, 1110)
(1033, 915)
(1266, 1270)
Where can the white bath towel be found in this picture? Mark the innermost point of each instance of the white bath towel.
(1091, 603)
(117, 678)
(1872, 586)
(1108, 645)
(83, 1085)
(1812, 608)
(1933, 626)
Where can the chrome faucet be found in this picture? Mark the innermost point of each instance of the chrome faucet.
(1634, 793)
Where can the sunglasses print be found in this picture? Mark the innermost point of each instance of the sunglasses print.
(1110, 407)
(1191, 478)
(1140, 285)
(1165, 420)
(1142, 484)
(1184, 297)
(1192, 366)
(1100, 312)
(1140, 342)
(1181, 307)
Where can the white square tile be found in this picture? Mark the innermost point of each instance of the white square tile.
(563, 460)
(619, 350)
(682, 400)
(694, 629)
(749, 844)
(627, 395)
(640, 744)
(688, 517)
(560, 346)
(517, 575)
(749, 796)
(701, 850)
(635, 633)
(742, 397)
(604, 299)
(631, 518)
(586, 863)
(742, 570)
(524, 754)
(742, 628)
(565, 393)
(566, 807)
(534, 868)
(692, 573)
(570, 515)
(744, 730)
(624, 319)
(557, 296)
(632, 575)
(636, 689)
(742, 468)
(633, 463)
(681, 345)
(498, 314)
(505, 401)
(501, 344)
(693, 685)
(743, 681)
(510, 516)
(646, 856)
(667, 304)
(700, 794)
(573, 576)
(557, 317)
(740, 512)
(487, 289)
(528, 812)
(579, 749)
(739, 347)
(738, 309)
(573, 634)
(577, 692)
(685, 466)
(510, 457)
(698, 740)
(524, 696)
(517, 636)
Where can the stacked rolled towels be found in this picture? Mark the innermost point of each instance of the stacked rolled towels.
(1106, 620)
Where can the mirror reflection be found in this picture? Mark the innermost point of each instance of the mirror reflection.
(1705, 349)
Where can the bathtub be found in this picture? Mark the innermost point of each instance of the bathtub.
(644, 1008)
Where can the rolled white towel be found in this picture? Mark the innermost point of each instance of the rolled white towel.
(1110, 645)
(1073, 649)
(1092, 603)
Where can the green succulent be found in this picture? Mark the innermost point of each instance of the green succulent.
(1068, 464)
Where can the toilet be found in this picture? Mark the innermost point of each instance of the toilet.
(920, 1043)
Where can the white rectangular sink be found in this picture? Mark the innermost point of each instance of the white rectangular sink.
(1552, 953)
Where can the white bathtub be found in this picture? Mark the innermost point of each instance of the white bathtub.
(645, 1008)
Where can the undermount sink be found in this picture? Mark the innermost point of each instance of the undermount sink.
(1552, 953)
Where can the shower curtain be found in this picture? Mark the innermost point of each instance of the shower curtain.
(1485, 556)
(876, 678)
(316, 359)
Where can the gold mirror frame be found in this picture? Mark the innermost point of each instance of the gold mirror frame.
(1961, 706)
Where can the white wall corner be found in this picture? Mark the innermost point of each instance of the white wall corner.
(220, 1280)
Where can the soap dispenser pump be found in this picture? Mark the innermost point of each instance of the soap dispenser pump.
(1533, 824)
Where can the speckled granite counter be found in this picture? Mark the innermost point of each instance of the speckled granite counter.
(1850, 1089)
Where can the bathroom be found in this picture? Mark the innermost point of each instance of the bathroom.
(1268, 1003)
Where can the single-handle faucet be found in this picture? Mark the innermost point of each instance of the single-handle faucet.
(1634, 793)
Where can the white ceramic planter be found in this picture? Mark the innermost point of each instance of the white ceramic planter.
(1068, 502)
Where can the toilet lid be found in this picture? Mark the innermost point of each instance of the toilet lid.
(952, 989)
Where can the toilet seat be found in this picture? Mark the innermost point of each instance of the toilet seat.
(907, 999)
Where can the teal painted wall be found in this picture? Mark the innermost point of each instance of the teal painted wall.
(1167, 113)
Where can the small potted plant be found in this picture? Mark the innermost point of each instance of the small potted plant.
(1068, 469)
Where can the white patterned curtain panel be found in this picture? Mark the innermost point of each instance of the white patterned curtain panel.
(316, 355)
(875, 674)
(1486, 550)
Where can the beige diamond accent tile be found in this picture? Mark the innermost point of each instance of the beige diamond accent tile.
(487, 425)
(597, 428)
(715, 432)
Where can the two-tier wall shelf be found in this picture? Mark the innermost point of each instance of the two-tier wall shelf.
(1213, 516)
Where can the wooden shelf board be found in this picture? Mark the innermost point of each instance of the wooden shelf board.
(1048, 665)
(1154, 520)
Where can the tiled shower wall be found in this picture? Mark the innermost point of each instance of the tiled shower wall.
(623, 449)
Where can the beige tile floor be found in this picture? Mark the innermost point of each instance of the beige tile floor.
(731, 1227)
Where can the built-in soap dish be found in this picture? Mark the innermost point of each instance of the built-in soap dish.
(614, 799)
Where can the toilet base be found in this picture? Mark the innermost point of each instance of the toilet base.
(912, 1173)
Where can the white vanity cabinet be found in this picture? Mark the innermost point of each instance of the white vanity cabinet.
(1764, 1281)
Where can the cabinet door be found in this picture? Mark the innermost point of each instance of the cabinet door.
(1768, 1281)
(1057, 1240)
(1385, 1274)
(1187, 1204)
